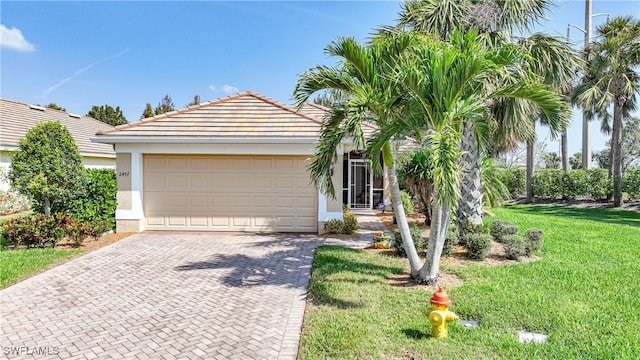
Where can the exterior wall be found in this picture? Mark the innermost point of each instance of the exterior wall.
(129, 212)
(123, 226)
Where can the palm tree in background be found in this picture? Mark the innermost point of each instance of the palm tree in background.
(611, 79)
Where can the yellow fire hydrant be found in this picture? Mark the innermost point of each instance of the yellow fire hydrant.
(439, 314)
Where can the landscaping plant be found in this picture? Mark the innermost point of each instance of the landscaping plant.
(515, 246)
(478, 245)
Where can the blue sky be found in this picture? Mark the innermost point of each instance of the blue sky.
(83, 53)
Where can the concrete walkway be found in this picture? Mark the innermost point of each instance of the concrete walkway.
(172, 296)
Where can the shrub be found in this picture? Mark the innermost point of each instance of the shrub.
(416, 236)
(533, 241)
(350, 222)
(98, 204)
(77, 231)
(499, 229)
(514, 246)
(548, 183)
(515, 180)
(600, 184)
(35, 231)
(450, 242)
(348, 225)
(478, 245)
(406, 203)
(631, 182)
(575, 184)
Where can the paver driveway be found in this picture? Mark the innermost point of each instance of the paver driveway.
(166, 295)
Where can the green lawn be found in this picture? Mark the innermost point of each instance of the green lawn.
(584, 293)
(16, 265)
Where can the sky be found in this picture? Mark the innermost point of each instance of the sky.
(122, 53)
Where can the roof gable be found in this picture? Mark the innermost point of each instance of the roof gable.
(17, 118)
(243, 115)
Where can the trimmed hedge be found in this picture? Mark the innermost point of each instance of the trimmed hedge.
(478, 245)
(40, 230)
(347, 225)
(631, 182)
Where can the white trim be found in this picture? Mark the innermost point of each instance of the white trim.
(137, 211)
(218, 149)
(323, 214)
(13, 149)
(106, 139)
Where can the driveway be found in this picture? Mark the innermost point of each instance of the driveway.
(166, 295)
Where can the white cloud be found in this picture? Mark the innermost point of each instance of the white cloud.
(79, 72)
(228, 89)
(13, 39)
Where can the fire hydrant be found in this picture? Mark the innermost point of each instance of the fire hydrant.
(439, 314)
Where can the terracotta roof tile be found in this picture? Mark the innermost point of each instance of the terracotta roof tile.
(245, 114)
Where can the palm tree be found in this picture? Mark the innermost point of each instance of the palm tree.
(450, 83)
(415, 85)
(612, 78)
(510, 118)
(362, 79)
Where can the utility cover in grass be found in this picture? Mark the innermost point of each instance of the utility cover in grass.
(470, 323)
(528, 337)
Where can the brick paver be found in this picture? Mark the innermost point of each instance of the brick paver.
(169, 295)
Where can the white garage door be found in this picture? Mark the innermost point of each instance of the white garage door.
(229, 193)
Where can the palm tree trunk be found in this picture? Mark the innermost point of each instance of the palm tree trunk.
(616, 151)
(565, 151)
(414, 260)
(441, 217)
(470, 203)
(531, 149)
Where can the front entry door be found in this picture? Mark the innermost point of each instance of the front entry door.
(360, 184)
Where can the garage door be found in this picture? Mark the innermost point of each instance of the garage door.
(229, 193)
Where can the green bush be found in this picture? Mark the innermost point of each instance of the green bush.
(98, 204)
(514, 246)
(575, 184)
(515, 180)
(548, 183)
(600, 184)
(347, 225)
(631, 182)
(499, 229)
(406, 202)
(450, 242)
(416, 236)
(478, 245)
(534, 241)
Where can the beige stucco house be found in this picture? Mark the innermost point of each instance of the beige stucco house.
(237, 163)
(16, 118)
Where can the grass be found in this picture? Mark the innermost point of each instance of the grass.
(18, 264)
(584, 293)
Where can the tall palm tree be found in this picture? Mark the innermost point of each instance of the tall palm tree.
(511, 118)
(363, 79)
(612, 78)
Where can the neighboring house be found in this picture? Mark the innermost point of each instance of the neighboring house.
(16, 118)
(238, 163)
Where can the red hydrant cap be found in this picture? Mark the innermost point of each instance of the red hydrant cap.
(440, 298)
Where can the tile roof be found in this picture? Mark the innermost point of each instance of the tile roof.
(243, 115)
(16, 118)
(319, 112)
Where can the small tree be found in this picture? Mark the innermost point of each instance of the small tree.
(148, 111)
(196, 101)
(551, 160)
(47, 166)
(108, 115)
(165, 105)
(576, 161)
(55, 106)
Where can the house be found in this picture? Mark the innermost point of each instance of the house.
(16, 118)
(237, 163)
